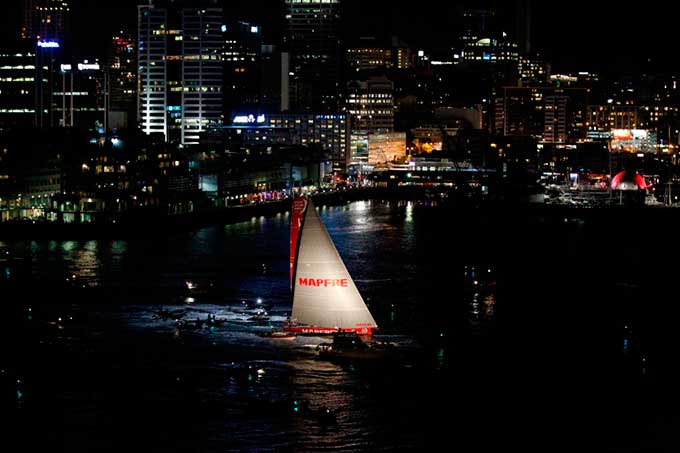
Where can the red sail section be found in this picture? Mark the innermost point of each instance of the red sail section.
(299, 208)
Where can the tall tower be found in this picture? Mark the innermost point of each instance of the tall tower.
(312, 40)
(152, 73)
(122, 67)
(555, 127)
(45, 19)
(523, 31)
(477, 24)
(202, 71)
(242, 67)
(180, 71)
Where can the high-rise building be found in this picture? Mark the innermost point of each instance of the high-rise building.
(523, 25)
(367, 58)
(555, 127)
(477, 24)
(533, 71)
(403, 56)
(180, 71)
(491, 50)
(152, 72)
(122, 79)
(79, 96)
(312, 40)
(367, 54)
(519, 112)
(553, 115)
(273, 79)
(604, 118)
(17, 89)
(242, 63)
(370, 104)
(45, 19)
(48, 57)
(202, 71)
(488, 48)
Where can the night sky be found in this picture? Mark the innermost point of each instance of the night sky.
(575, 35)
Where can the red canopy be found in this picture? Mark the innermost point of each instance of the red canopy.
(623, 181)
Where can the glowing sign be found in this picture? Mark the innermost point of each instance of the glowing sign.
(249, 119)
(65, 67)
(88, 66)
(48, 44)
(325, 282)
(629, 134)
(632, 140)
(254, 29)
(223, 28)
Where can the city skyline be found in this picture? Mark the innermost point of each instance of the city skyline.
(320, 225)
(581, 37)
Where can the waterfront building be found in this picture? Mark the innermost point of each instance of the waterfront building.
(368, 149)
(386, 147)
(327, 133)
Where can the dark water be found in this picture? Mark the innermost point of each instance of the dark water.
(533, 332)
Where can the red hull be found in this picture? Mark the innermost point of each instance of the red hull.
(312, 330)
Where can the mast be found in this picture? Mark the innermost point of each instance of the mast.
(297, 218)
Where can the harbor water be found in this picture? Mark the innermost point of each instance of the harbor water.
(531, 331)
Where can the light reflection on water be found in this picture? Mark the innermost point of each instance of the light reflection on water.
(416, 270)
(229, 264)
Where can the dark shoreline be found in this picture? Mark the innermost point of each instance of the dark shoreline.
(147, 224)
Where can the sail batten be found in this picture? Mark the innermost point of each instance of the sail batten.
(324, 294)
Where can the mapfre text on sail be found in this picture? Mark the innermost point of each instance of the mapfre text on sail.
(325, 282)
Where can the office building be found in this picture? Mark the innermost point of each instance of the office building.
(242, 66)
(45, 20)
(553, 115)
(122, 79)
(370, 104)
(180, 72)
(17, 89)
(328, 134)
(312, 39)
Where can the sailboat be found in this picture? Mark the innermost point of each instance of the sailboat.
(325, 299)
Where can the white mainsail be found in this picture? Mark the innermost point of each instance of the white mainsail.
(324, 293)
